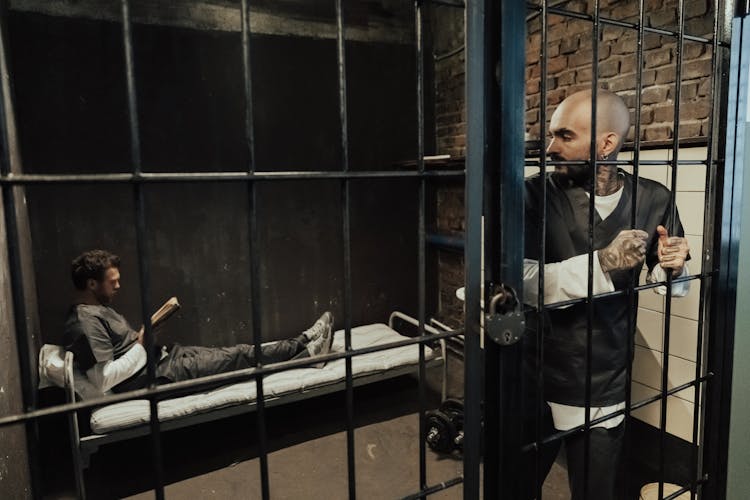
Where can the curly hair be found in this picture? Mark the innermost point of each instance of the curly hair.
(92, 265)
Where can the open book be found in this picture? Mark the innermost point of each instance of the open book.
(165, 311)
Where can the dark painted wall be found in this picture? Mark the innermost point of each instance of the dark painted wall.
(72, 117)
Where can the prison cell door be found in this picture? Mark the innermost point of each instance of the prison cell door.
(499, 344)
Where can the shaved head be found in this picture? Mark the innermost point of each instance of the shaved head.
(570, 131)
(612, 114)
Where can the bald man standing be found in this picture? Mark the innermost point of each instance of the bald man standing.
(619, 249)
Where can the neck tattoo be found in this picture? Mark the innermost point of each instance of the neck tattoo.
(607, 180)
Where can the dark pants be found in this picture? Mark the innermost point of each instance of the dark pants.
(605, 455)
(189, 362)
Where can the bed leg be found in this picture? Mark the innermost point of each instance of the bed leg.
(444, 388)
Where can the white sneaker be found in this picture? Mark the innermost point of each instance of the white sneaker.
(321, 337)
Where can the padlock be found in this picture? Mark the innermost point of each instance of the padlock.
(504, 328)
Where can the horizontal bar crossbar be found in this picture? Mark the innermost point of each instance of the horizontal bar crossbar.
(147, 177)
(653, 399)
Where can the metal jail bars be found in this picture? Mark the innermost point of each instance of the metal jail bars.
(485, 113)
(251, 176)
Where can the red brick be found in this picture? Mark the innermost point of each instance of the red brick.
(532, 101)
(627, 65)
(648, 77)
(665, 75)
(555, 96)
(699, 26)
(692, 50)
(569, 45)
(651, 41)
(688, 92)
(657, 133)
(696, 110)
(553, 50)
(656, 58)
(580, 58)
(583, 75)
(663, 17)
(647, 116)
(609, 68)
(627, 9)
(604, 52)
(704, 87)
(557, 64)
(565, 79)
(532, 116)
(625, 45)
(534, 41)
(612, 33)
(532, 86)
(620, 83)
(652, 95)
(695, 8)
(663, 112)
(689, 129)
(696, 69)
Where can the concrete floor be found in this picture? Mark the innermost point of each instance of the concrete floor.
(386, 463)
(306, 452)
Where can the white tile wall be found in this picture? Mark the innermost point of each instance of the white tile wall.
(684, 337)
(649, 328)
(679, 412)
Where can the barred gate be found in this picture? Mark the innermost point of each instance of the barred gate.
(496, 73)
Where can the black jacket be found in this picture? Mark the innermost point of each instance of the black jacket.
(565, 330)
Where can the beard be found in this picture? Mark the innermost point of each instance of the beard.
(573, 175)
(104, 299)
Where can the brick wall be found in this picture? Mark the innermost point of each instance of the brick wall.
(569, 65)
(450, 116)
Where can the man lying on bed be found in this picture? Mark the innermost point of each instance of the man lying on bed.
(112, 355)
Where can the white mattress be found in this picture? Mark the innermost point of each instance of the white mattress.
(136, 412)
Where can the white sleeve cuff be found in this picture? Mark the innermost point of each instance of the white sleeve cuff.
(658, 274)
(564, 280)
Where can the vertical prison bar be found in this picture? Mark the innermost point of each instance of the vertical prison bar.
(142, 245)
(253, 242)
(632, 294)
(476, 138)
(671, 229)
(421, 237)
(346, 233)
(539, 354)
(705, 285)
